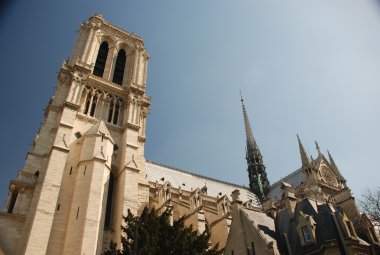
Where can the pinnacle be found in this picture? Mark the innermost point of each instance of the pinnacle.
(304, 158)
(318, 149)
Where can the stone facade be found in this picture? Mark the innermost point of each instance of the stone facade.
(86, 169)
(94, 127)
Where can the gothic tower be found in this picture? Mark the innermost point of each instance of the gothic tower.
(85, 168)
(258, 180)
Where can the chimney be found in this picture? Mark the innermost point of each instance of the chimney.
(236, 196)
(269, 208)
(288, 196)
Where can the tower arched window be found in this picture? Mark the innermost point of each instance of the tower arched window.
(119, 67)
(101, 59)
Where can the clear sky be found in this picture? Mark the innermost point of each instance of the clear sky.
(306, 67)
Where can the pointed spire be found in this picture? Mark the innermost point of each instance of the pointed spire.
(258, 180)
(317, 147)
(251, 142)
(304, 158)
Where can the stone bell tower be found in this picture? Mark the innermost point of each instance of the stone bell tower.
(85, 168)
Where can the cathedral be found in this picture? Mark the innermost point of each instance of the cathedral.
(86, 168)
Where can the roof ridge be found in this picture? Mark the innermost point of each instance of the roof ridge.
(282, 179)
(292, 173)
(195, 174)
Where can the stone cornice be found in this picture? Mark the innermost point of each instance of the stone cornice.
(86, 118)
(71, 106)
(135, 88)
(133, 126)
(60, 148)
(21, 184)
(13, 216)
(107, 86)
(133, 40)
(66, 125)
(141, 139)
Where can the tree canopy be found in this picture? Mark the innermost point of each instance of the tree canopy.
(152, 234)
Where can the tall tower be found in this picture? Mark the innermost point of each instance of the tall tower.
(258, 180)
(85, 168)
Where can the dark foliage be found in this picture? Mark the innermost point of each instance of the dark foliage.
(152, 234)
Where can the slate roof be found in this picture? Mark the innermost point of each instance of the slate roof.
(294, 179)
(190, 181)
(322, 214)
(264, 223)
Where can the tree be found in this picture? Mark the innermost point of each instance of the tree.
(370, 204)
(152, 234)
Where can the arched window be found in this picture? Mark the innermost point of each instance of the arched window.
(107, 220)
(101, 59)
(119, 67)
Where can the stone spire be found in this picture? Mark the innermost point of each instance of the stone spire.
(258, 180)
(304, 158)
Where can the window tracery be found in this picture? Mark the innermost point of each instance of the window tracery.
(101, 105)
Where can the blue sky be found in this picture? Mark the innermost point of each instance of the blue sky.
(306, 67)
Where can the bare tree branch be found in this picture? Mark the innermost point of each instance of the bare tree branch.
(370, 204)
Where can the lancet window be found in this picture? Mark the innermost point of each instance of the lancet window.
(114, 108)
(90, 104)
(119, 67)
(101, 59)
